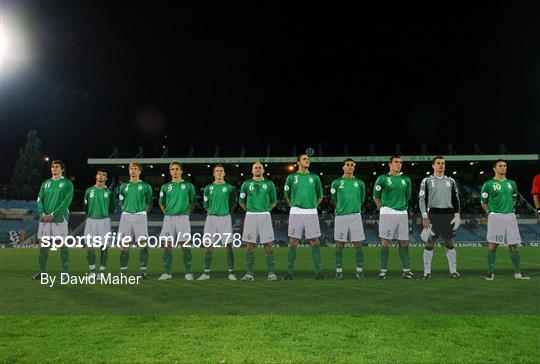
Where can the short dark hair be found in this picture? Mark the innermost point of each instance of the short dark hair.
(60, 163)
(175, 163)
(437, 157)
(348, 160)
(393, 157)
(218, 165)
(102, 170)
(300, 156)
(498, 161)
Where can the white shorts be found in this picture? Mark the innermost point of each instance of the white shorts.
(52, 229)
(97, 227)
(134, 225)
(258, 225)
(177, 228)
(503, 229)
(349, 225)
(300, 223)
(394, 226)
(219, 228)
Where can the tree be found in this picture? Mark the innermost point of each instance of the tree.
(28, 169)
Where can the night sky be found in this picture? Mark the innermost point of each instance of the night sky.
(124, 74)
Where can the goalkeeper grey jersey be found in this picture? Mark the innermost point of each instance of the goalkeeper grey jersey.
(438, 192)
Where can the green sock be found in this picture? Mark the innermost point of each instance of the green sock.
(230, 259)
(167, 260)
(64, 257)
(143, 258)
(124, 259)
(339, 257)
(207, 261)
(43, 254)
(404, 255)
(91, 259)
(385, 252)
(103, 259)
(250, 262)
(290, 259)
(359, 257)
(491, 261)
(186, 257)
(514, 256)
(270, 261)
(316, 254)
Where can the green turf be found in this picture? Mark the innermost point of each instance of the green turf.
(442, 320)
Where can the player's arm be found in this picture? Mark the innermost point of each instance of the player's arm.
(162, 199)
(515, 194)
(192, 201)
(62, 209)
(112, 203)
(206, 197)
(85, 201)
(362, 194)
(484, 197)
(243, 196)
(333, 194)
(287, 190)
(148, 195)
(41, 209)
(121, 196)
(408, 191)
(456, 221)
(232, 199)
(423, 202)
(273, 197)
(535, 192)
(377, 192)
(319, 190)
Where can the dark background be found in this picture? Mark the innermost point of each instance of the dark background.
(131, 74)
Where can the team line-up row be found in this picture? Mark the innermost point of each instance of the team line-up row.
(438, 200)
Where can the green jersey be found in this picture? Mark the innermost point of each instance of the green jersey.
(54, 198)
(303, 190)
(220, 199)
(349, 195)
(259, 195)
(99, 202)
(500, 196)
(177, 197)
(393, 191)
(135, 196)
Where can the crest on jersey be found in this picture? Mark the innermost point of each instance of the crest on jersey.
(447, 184)
(243, 195)
(224, 189)
(485, 195)
(105, 195)
(61, 184)
(355, 184)
(378, 188)
(183, 187)
(509, 186)
(265, 187)
(310, 180)
(403, 182)
(139, 188)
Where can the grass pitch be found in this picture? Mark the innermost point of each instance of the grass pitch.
(306, 321)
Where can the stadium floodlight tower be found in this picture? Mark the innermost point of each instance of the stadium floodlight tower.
(14, 50)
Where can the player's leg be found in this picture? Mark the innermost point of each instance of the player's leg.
(448, 233)
(356, 228)
(428, 256)
(60, 229)
(295, 231)
(140, 229)
(451, 256)
(403, 240)
(268, 249)
(250, 260)
(387, 229)
(166, 238)
(209, 229)
(105, 233)
(513, 240)
(341, 233)
(359, 257)
(339, 259)
(428, 237)
(226, 230)
(313, 234)
(385, 253)
(184, 237)
(495, 236)
(44, 231)
(125, 237)
(89, 232)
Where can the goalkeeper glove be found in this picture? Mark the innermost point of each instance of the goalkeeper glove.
(456, 221)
